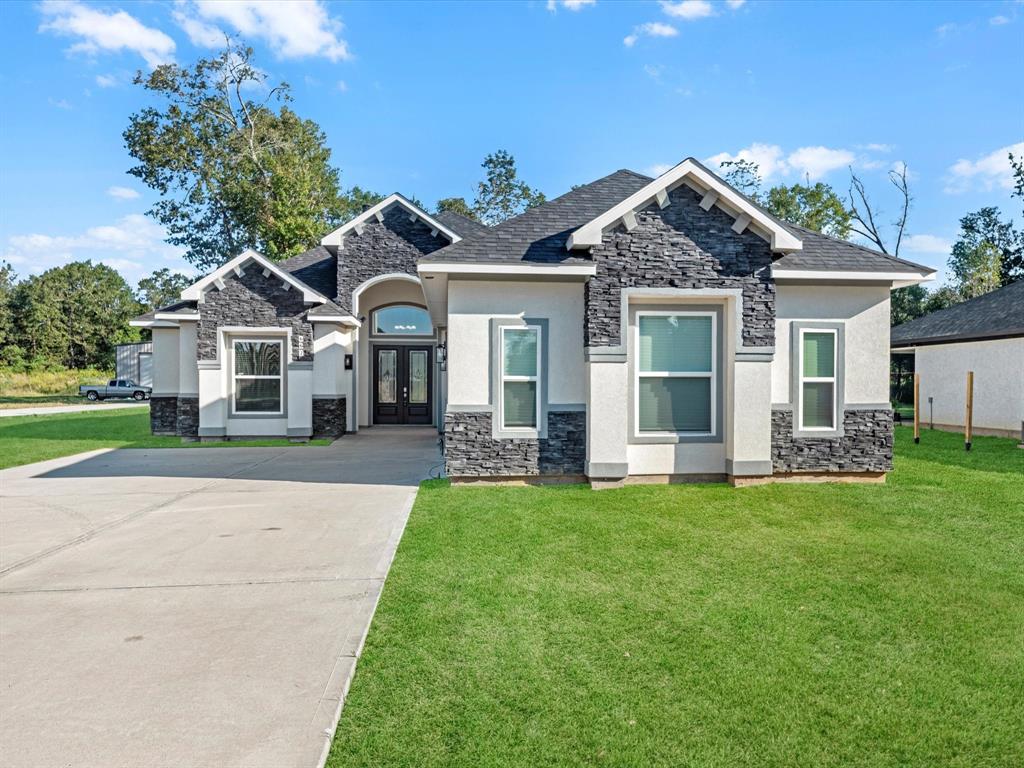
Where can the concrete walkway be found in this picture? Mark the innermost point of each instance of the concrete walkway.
(188, 607)
(38, 410)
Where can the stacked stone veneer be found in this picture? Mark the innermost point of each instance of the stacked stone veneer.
(328, 417)
(253, 300)
(172, 415)
(866, 444)
(472, 451)
(391, 246)
(680, 246)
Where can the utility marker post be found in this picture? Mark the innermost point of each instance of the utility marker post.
(970, 410)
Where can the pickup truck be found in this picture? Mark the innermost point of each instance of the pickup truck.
(115, 388)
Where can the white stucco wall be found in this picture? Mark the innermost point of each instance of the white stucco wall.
(166, 361)
(865, 312)
(471, 306)
(998, 382)
(188, 373)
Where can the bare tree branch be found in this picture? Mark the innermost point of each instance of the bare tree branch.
(865, 217)
(899, 180)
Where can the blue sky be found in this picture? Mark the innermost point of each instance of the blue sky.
(413, 95)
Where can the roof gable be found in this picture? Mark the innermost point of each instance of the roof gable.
(716, 192)
(237, 266)
(337, 237)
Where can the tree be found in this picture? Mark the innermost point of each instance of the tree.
(74, 315)
(907, 304)
(986, 226)
(1018, 176)
(234, 173)
(7, 280)
(161, 288)
(457, 205)
(744, 175)
(816, 207)
(865, 220)
(941, 298)
(502, 195)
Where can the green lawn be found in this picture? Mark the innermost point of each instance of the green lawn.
(782, 625)
(25, 439)
(34, 401)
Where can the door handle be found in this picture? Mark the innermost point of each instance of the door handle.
(405, 395)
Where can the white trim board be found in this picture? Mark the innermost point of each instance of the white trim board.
(715, 191)
(337, 237)
(237, 266)
(897, 279)
(526, 270)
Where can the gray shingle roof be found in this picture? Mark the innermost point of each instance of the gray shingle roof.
(822, 252)
(538, 235)
(462, 225)
(317, 268)
(998, 314)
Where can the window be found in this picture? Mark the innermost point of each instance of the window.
(402, 320)
(258, 376)
(675, 373)
(520, 386)
(817, 379)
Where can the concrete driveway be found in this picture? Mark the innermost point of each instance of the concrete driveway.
(194, 607)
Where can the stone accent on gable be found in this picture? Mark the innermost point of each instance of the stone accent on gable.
(328, 417)
(389, 247)
(471, 450)
(680, 246)
(866, 444)
(256, 301)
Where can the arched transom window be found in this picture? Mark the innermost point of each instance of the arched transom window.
(402, 320)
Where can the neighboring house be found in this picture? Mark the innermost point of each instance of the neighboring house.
(984, 335)
(649, 329)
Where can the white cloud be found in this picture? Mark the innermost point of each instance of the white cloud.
(769, 158)
(816, 162)
(878, 147)
(772, 160)
(945, 30)
(988, 172)
(128, 245)
(106, 81)
(342, 86)
(734, 4)
(998, 21)
(123, 193)
(928, 244)
(654, 71)
(570, 5)
(293, 29)
(657, 169)
(688, 10)
(97, 30)
(650, 29)
(59, 103)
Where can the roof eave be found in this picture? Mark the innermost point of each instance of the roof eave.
(895, 279)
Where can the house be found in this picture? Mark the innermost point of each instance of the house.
(984, 335)
(633, 329)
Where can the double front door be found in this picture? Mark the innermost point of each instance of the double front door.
(402, 385)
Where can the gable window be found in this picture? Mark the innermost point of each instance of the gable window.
(258, 376)
(402, 320)
(675, 373)
(818, 378)
(519, 393)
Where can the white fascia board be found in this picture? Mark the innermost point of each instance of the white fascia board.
(195, 291)
(781, 239)
(152, 324)
(175, 317)
(342, 319)
(897, 279)
(336, 238)
(455, 268)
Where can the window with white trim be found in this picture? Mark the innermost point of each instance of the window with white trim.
(258, 376)
(676, 376)
(519, 394)
(818, 349)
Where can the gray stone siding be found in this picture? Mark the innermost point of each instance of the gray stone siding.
(470, 450)
(188, 416)
(866, 444)
(680, 246)
(328, 417)
(392, 246)
(254, 300)
(163, 415)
